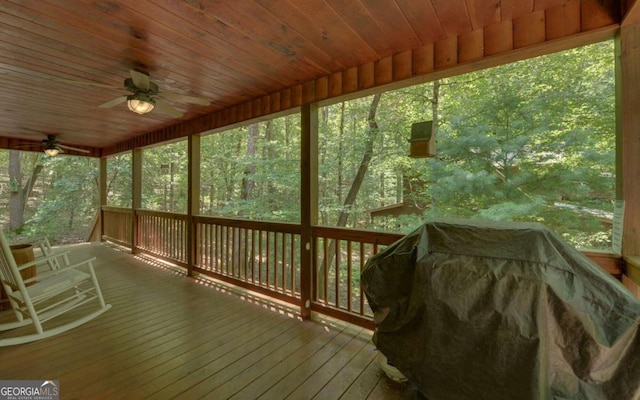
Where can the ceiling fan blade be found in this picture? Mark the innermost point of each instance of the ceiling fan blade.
(62, 146)
(167, 109)
(181, 97)
(30, 146)
(85, 83)
(139, 79)
(113, 102)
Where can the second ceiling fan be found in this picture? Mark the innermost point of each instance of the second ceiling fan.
(52, 147)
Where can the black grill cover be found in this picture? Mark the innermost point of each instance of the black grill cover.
(492, 310)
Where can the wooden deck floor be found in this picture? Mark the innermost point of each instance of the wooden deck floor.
(170, 336)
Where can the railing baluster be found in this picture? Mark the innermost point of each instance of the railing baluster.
(293, 264)
(268, 260)
(361, 264)
(260, 255)
(336, 244)
(327, 263)
(349, 276)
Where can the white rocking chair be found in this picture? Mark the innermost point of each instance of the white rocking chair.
(51, 293)
(60, 259)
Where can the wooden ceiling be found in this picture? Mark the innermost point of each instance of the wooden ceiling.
(250, 58)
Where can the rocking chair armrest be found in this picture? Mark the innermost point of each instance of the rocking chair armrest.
(73, 266)
(40, 260)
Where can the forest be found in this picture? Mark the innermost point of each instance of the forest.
(528, 141)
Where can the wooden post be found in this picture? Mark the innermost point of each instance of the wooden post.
(136, 196)
(193, 201)
(309, 202)
(102, 183)
(628, 127)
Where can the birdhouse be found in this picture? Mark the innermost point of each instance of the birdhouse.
(423, 141)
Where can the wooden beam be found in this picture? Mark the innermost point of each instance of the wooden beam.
(102, 188)
(136, 195)
(628, 126)
(309, 201)
(193, 198)
(563, 20)
(498, 38)
(470, 46)
(631, 12)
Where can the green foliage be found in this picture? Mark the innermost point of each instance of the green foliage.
(65, 199)
(253, 171)
(164, 178)
(529, 141)
(119, 180)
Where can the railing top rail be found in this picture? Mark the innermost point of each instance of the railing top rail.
(282, 227)
(359, 235)
(164, 214)
(123, 210)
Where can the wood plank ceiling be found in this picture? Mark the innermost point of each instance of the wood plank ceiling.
(249, 58)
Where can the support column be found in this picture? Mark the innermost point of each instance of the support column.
(628, 141)
(628, 126)
(309, 202)
(136, 195)
(102, 190)
(193, 200)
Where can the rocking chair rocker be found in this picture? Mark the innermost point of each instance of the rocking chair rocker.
(52, 293)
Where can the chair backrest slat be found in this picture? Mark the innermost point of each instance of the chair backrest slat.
(9, 272)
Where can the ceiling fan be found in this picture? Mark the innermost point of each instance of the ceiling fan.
(145, 95)
(52, 147)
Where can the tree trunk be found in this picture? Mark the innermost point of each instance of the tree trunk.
(16, 208)
(248, 181)
(435, 104)
(266, 189)
(322, 155)
(20, 194)
(364, 164)
(340, 152)
(353, 192)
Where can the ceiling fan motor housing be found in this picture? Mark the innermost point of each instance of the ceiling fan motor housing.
(130, 86)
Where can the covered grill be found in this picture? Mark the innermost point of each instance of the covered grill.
(492, 310)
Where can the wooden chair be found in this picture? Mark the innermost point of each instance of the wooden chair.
(50, 294)
(60, 259)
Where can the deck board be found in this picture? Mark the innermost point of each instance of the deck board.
(170, 336)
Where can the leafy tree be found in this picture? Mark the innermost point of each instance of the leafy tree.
(253, 171)
(119, 180)
(69, 200)
(164, 177)
(530, 141)
(20, 188)
(519, 142)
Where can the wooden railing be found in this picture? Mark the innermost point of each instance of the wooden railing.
(117, 225)
(339, 258)
(264, 256)
(163, 234)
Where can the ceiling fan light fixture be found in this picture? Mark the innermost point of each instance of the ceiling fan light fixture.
(140, 103)
(52, 151)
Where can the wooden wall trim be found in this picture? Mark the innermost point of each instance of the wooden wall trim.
(573, 24)
(631, 12)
